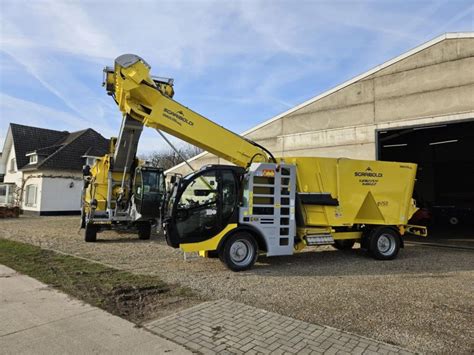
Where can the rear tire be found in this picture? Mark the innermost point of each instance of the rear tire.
(384, 243)
(144, 231)
(90, 234)
(344, 244)
(239, 252)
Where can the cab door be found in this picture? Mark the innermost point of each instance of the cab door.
(204, 206)
(149, 191)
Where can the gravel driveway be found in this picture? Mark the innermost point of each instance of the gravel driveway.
(423, 300)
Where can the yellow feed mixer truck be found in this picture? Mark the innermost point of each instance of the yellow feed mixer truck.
(265, 204)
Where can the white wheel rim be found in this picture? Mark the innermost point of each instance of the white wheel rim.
(386, 244)
(241, 252)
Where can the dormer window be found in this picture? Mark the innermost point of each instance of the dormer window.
(33, 159)
(90, 161)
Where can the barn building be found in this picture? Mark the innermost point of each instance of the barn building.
(417, 107)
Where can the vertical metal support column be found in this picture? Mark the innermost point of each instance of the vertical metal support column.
(109, 194)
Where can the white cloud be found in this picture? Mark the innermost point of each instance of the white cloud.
(53, 25)
(37, 115)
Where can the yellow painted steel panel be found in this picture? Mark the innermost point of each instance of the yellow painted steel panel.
(210, 244)
(369, 192)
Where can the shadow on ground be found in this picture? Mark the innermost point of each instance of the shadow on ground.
(411, 260)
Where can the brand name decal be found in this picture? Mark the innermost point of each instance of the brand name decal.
(363, 173)
(177, 117)
(369, 175)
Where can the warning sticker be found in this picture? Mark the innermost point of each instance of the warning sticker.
(268, 172)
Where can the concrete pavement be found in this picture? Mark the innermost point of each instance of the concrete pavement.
(35, 318)
(228, 327)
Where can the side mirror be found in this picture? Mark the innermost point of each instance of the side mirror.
(173, 179)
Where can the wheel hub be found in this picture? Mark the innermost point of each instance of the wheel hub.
(238, 251)
(386, 244)
(241, 252)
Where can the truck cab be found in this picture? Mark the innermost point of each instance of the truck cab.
(133, 204)
(202, 204)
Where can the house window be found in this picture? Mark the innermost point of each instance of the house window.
(13, 165)
(30, 198)
(3, 194)
(6, 194)
(33, 159)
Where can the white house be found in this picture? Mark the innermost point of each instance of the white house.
(42, 168)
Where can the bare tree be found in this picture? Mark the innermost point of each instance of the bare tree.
(168, 158)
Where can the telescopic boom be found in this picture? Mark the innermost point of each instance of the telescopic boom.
(149, 100)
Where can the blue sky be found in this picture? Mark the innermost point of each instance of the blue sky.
(237, 62)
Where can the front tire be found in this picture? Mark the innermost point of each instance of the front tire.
(144, 231)
(239, 252)
(384, 243)
(90, 234)
(213, 254)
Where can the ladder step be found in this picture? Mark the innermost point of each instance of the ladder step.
(319, 239)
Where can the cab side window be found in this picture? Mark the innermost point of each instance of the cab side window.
(137, 188)
(229, 194)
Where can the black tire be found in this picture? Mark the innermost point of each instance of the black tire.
(364, 240)
(239, 252)
(213, 254)
(144, 231)
(90, 234)
(344, 244)
(384, 243)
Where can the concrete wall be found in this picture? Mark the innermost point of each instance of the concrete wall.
(433, 85)
(61, 191)
(17, 177)
(33, 179)
(12, 176)
(57, 191)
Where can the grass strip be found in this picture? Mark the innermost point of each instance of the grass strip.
(122, 293)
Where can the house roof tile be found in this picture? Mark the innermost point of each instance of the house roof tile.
(61, 150)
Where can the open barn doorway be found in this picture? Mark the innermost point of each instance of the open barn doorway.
(445, 177)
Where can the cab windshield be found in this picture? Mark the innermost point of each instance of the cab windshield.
(153, 181)
(200, 192)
